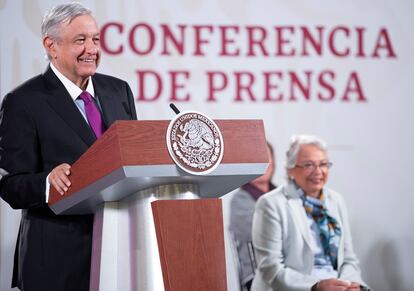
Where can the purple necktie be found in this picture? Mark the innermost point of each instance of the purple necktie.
(92, 114)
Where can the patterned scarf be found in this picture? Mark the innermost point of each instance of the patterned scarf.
(330, 231)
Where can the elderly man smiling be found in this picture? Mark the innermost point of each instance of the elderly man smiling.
(46, 124)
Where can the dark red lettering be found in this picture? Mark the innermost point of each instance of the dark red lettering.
(103, 35)
(333, 42)
(226, 40)
(283, 40)
(199, 40)
(325, 78)
(176, 85)
(305, 89)
(353, 86)
(256, 36)
(315, 42)
(169, 37)
(270, 86)
(213, 86)
(384, 42)
(143, 79)
(133, 42)
(244, 86)
(360, 42)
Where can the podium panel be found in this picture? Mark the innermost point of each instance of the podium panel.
(191, 244)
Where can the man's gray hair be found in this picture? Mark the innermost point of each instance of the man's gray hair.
(59, 14)
(296, 142)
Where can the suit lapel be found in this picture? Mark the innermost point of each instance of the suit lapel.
(61, 102)
(332, 207)
(109, 104)
(300, 219)
(298, 213)
(333, 210)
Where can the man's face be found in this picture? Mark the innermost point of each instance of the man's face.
(76, 51)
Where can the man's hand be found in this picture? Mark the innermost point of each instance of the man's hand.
(59, 178)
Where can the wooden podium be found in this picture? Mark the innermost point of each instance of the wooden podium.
(152, 232)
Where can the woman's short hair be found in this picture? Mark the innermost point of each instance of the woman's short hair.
(296, 142)
(59, 14)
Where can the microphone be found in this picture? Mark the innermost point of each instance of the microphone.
(174, 108)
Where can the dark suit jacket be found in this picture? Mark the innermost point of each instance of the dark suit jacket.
(40, 128)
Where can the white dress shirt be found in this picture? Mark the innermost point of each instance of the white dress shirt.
(74, 92)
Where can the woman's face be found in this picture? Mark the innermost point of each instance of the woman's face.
(311, 170)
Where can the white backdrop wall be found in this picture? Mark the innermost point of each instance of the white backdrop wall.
(342, 70)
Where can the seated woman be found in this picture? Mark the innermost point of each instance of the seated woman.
(301, 232)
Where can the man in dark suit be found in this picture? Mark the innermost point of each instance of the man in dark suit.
(44, 128)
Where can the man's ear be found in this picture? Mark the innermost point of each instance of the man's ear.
(49, 45)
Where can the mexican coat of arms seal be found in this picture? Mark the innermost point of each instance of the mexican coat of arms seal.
(195, 142)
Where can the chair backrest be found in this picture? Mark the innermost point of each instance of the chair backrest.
(252, 256)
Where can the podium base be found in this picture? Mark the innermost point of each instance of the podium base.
(125, 252)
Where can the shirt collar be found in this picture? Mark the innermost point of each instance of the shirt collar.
(254, 191)
(73, 90)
